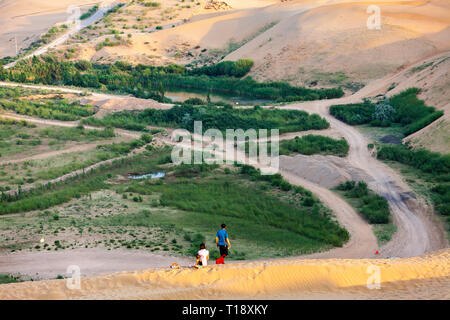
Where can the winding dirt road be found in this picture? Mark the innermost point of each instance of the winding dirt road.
(418, 233)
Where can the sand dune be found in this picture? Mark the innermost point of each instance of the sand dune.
(312, 45)
(425, 277)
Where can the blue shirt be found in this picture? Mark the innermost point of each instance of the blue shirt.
(222, 234)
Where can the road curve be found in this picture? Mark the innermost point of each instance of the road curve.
(417, 232)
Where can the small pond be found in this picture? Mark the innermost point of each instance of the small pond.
(149, 175)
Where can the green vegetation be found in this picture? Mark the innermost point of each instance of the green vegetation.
(16, 92)
(151, 81)
(48, 195)
(76, 133)
(404, 110)
(213, 117)
(114, 9)
(314, 144)
(174, 213)
(107, 43)
(89, 13)
(237, 69)
(371, 206)
(151, 4)
(6, 278)
(194, 191)
(424, 160)
(384, 232)
(433, 167)
(58, 109)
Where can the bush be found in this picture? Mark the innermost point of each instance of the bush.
(372, 206)
(424, 160)
(89, 13)
(147, 138)
(194, 101)
(422, 123)
(314, 144)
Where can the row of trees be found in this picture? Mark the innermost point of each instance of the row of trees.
(424, 160)
(214, 117)
(237, 69)
(151, 81)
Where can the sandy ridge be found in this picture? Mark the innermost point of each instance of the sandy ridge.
(424, 277)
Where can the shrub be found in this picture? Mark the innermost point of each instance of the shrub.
(372, 206)
(314, 144)
(403, 109)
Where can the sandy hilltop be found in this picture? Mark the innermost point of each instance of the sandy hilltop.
(424, 277)
(316, 44)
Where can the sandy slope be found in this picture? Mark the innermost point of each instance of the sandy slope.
(434, 137)
(28, 19)
(413, 278)
(310, 43)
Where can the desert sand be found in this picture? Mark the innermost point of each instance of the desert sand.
(28, 19)
(314, 43)
(426, 277)
(325, 38)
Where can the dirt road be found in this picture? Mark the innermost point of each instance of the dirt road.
(63, 38)
(50, 264)
(417, 232)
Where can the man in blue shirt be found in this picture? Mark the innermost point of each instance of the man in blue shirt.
(222, 240)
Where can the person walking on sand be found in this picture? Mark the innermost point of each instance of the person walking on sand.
(202, 256)
(222, 241)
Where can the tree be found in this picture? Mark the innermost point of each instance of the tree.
(161, 90)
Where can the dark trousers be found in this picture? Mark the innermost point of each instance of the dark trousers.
(223, 250)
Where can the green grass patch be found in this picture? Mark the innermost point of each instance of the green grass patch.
(58, 109)
(314, 144)
(6, 278)
(384, 232)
